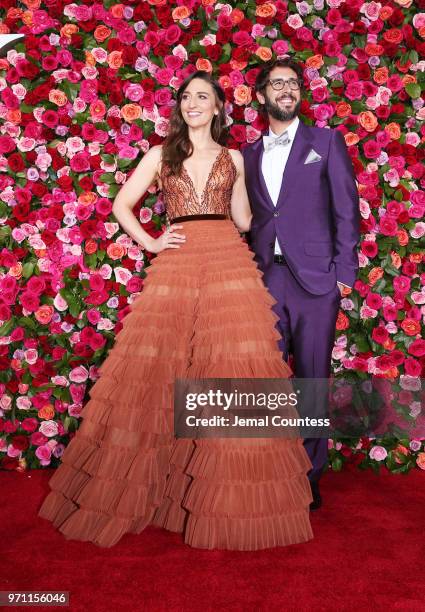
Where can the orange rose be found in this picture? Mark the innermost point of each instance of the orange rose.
(411, 327)
(393, 130)
(266, 10)
(208, 2)
(90, 247)
(372, 49)
(224, 81)
(236, 16)
(32, 4)
(374, 275)
(44, 314)
(389, 344)
(396, 259)
(90, 59)
(4, 30)
(392, 373)
(27, 18)
(203, 64)
(47, 412)
(385, 12)
(242, 95)
(264, 53)
(408, 78)
(101, 33)
(40, 252)
(380, 75)
(342, 321)
(56, 96)
(14, 115)
(86, 198)
(238, 65)
(115, 251)
(420, 460)
(404, 3)
(401, 450)
(368, 121)
(415, 257)
(402, 237)
(115, 60)
(68, 30)
(351, 139)
(16, 271)
(180, 12)
(130, 112)
(117, 10)
(16, 364)
(315, 61)
(343, 109)
(97, 109)
(14, 14)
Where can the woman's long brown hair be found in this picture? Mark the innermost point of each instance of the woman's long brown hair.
(177, 146)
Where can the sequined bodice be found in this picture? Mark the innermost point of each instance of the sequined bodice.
(182, 199)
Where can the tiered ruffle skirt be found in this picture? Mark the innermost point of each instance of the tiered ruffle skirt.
(204, 312)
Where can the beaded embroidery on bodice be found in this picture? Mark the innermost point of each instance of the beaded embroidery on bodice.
(182, 199)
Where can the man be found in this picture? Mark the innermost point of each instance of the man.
(305, 228)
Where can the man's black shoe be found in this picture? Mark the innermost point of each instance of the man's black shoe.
(317, 498)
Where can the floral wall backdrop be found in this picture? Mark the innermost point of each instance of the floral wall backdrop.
(90, 89)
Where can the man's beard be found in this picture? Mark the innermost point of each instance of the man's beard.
(275, 111)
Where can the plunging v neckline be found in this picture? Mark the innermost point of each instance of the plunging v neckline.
(200, 199)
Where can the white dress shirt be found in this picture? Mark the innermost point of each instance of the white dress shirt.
(273, 166)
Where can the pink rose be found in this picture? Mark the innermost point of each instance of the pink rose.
(49, 428)
(77, 393)
(378, 453)
(44, 453)
(134, 285)
(79, 374)
(37, 438)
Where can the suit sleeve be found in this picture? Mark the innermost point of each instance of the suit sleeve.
(345, 210)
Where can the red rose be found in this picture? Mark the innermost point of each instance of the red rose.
(15, 162)
(412, 367)
(20, 442)
(238, 132)
(417, 348)
(9, 463)
(380, 335)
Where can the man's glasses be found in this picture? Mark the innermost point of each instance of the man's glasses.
(279, 84)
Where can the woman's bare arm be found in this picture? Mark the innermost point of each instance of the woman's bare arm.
(240, 208)
(130, 193)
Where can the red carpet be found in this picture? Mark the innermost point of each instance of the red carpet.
(368, 554)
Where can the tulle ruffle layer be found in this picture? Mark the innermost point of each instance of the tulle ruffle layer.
(203, 313)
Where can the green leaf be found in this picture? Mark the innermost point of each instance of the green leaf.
(414, 90)
(337, 464)
(108, 178)
(7, 327)
(27, 269)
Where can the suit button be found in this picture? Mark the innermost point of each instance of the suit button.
(276, 214)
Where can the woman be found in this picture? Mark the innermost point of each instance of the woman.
(204, 312)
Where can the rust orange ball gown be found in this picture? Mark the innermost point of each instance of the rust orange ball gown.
(204, 312)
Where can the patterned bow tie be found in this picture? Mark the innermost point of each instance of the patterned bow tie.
(270, 141)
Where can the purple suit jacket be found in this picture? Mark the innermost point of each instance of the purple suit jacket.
(316, 219)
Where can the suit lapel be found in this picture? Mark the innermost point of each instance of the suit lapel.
(299, 151)
(258, 151)
(295, 162)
